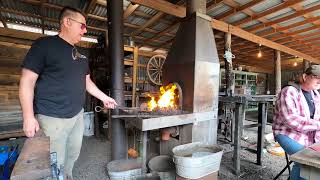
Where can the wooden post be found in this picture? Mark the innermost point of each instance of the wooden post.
(228, 68)
(277, 72)
(306, 64)
(134, 75)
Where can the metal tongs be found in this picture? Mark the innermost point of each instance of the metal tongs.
(131, 109)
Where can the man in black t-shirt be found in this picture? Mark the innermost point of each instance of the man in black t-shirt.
(55, 77)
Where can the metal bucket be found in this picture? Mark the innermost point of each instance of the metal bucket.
(124, 169)
(163, 165)
(196, 160)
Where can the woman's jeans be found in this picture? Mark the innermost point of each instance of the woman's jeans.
(291, 146)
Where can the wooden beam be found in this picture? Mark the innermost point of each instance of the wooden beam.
(102, 2)
(274, 38)
(286, 18)
(222, 26)
(212, 4)
(219, 25)
(148, 16)
(92, 4)
(267, 12)
(148, 23)
(238, 9)
(163, 6)
(294, 25)
(130, 9)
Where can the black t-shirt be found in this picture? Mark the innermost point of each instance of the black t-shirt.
(61, 85)
(308, 96)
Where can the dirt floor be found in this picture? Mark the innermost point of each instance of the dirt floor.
(95, 154)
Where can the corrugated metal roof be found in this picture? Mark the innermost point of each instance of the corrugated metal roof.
(159, 26)
(301, 27)
(52, 13)
(52, 25)
(242, 2)
(309, 32)
(291, 21)
(100, 11)
(310, 3)
(263, 30)
(174, 30)
(21, 19)
(170, 17)
(236, 17)
(265, 5)
(251, 23)
(147, 34)
(76, 4)
(137, 20)
(280, 14)
(147, 10)
(128, 30)
(164, 38)
(219, 9)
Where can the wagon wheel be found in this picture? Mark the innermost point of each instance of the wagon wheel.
(154, 68)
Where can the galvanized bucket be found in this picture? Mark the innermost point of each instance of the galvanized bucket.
(163, 165)
(124, 169)
(196, 160)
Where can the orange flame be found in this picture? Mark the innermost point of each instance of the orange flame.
(166, 99)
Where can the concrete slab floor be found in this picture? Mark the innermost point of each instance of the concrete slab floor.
(96, 153)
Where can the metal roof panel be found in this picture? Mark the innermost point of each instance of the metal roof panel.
(265, 5)
(280, 14)
(219, 9)
(291, 21)
(236, 17)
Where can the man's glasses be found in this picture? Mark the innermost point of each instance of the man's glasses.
(76, 55)
(83, 25)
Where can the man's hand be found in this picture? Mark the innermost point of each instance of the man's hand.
(108, 102)
(30, 126)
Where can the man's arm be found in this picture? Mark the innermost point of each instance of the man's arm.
(96, 92)
(26, 94)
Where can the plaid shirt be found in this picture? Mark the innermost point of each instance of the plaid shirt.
(292, 116)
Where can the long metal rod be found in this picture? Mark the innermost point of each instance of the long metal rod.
(115, 34)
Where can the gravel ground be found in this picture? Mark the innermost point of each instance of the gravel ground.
(96, 153)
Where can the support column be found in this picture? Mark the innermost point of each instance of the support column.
(228, 68)
(277, 71)
(134, 75)
(115, 34)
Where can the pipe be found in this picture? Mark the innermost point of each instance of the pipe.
(115, 34)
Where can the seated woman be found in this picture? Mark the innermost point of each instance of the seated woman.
(296, 120)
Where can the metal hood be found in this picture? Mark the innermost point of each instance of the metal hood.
(193, 63)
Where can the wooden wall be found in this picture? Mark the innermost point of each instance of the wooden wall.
(10, 70)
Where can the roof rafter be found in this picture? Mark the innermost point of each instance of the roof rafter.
(283, 19)
(130, 9)
(236, 10)
(222, 26)
(267, 12)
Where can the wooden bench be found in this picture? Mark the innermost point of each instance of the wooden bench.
(34, 159)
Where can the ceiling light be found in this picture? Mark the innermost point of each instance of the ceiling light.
(259, 53)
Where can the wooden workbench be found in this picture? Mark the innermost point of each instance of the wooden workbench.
(310, 162)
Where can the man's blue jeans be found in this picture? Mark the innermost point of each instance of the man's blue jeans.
(291, 146)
